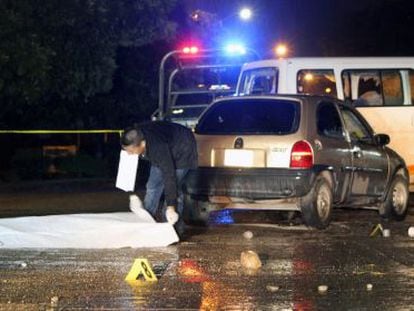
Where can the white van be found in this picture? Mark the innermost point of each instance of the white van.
(382, 88)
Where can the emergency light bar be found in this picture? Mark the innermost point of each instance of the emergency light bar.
(231, 49)
(235, 49)
(190, 50)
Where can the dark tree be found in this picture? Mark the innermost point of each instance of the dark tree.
(56, 56)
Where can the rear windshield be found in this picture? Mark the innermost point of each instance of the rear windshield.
(186, 112)
(252, 116)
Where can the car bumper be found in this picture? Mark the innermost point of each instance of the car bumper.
(248, 183)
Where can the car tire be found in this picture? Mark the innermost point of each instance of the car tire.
(196, 211)
(317, 205)
(395, 205)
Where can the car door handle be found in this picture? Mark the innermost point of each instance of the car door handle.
(357, 152)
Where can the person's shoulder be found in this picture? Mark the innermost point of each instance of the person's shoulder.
(165, 127)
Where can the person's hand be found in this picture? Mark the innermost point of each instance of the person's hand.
(135, 204)
(171, 215)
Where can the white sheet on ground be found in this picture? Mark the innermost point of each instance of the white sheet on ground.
(109, 230)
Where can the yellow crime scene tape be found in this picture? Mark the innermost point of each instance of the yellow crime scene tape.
(59, 131)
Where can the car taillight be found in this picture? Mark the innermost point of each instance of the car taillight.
(301, 155)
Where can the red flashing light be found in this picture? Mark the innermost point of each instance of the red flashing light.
(301, 155)
(190, 50)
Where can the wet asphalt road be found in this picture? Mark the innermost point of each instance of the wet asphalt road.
(204, 271)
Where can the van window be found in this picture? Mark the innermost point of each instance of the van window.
(259, 81)
(392, 88)
(412, 86)
(373, 87)
(251, 116)
(329, 122)
(316, 82)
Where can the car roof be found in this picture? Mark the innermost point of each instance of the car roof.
(300, 97)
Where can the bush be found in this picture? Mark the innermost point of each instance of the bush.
(82, 165)
(28, 163)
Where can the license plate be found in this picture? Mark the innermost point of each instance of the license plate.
(238, 158)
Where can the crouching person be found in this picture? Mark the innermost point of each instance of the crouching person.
(172, 151)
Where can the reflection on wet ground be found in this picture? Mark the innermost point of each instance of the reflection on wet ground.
(204, 271)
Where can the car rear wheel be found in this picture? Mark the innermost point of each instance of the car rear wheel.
(316, 206)
(396, 201)
(196, 211)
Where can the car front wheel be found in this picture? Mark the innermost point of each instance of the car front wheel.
(396, 201)
(316, 206)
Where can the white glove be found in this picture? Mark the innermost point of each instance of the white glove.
(135, 204)
(171, 215)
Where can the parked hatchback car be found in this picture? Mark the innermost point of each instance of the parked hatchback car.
(293, 153)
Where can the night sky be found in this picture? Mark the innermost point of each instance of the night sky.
(319, 27)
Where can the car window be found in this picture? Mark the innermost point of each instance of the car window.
(355, 126)
(192, 99)
(317, 82)
(251, 116)
(328, 121)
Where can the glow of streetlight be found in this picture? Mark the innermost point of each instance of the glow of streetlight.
(281, 50)
(245, 14)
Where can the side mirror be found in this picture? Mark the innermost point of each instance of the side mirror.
(382, 139)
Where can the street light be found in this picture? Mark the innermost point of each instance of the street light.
(281, 50)
(245, 14)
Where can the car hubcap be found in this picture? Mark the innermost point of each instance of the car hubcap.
(399, 198)
(323, 202)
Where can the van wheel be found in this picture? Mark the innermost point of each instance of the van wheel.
(196, 211)
(396, 202)
(316, 206)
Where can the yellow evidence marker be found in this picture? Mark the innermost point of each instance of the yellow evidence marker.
(377, 229)
(141, 266)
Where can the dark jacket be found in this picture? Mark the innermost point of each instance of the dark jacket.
(169, 146)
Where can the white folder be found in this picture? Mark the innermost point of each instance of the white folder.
(127, 171)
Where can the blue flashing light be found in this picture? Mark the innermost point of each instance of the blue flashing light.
(235, 49)
(223, 217)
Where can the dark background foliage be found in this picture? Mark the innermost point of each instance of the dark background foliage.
(94, 63)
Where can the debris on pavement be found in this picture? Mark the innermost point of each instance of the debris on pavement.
(369, 287)
(272, 288)
(322, 289)
(411, 232)
(250, 260)
(54, 301)
(386, 233)
(248, 235)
